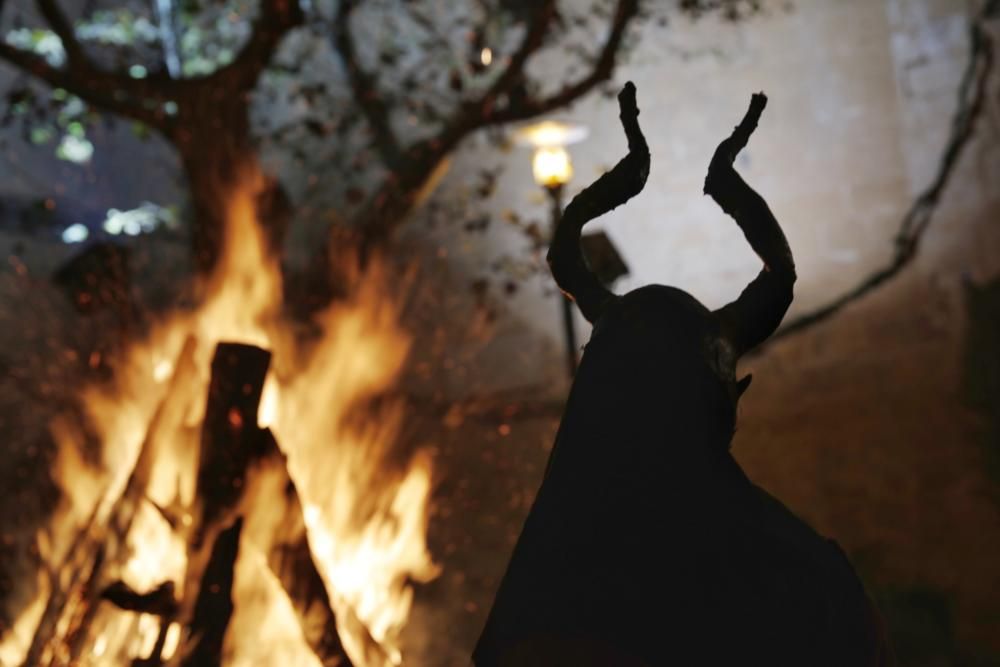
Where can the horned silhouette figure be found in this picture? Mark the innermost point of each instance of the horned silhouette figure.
(647, 544)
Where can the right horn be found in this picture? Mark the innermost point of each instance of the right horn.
(757, 312)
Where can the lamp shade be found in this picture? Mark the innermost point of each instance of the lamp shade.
(550, 133)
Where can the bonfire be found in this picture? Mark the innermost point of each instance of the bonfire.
(246, 509)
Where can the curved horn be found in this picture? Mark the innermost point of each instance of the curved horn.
(757, 312)
(624, 181)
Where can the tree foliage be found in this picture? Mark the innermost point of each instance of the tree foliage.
(382, 90)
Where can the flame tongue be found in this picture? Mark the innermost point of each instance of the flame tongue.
(363, 517)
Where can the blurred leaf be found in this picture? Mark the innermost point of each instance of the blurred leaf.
(140, 130)
(20, 95)
(354, 195)
(479, 224)
(41, 135)
(316, 128)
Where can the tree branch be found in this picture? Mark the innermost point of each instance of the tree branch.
(479, 113)
(396, 197)
(33, 65)
(141, 100)
(514, 73)
(63, 28)
(602, 70)
(971, 98)
(275, 20)
(365, 89)
(96, 88)
(168, 37)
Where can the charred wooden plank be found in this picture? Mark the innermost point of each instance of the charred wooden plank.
(232, 447)
(111, 539)
(230, 439)
(291, 560)
(82, 569)
(214, 605)
(160, 601)
(230, 443)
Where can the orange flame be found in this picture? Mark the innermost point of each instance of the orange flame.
(366, 516)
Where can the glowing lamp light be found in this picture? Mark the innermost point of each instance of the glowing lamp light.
(551, 166)
(552, 169)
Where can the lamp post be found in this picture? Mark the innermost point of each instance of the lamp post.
(552, 169)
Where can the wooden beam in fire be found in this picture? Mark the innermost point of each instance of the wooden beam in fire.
(291, 560)
(214, 605)
(232, 447)
(76, 581)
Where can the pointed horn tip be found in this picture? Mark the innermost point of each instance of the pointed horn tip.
(626, 97)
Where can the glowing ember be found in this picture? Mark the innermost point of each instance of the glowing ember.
(365, 516)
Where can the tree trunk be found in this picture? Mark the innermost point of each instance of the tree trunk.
(219, 158)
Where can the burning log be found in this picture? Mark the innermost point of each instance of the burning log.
(234, 452)
(75, 581)
(214, 605)
(293, 565)
(290, 559)
(344, 541)
(166, 421)
(63, 579)
(230, 439)
(232, 447)
(160, 601)
(230, 444)
(168, 416)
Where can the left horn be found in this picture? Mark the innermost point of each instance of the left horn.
(611, 190)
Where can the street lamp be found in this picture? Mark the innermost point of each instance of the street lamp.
(552, 169)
